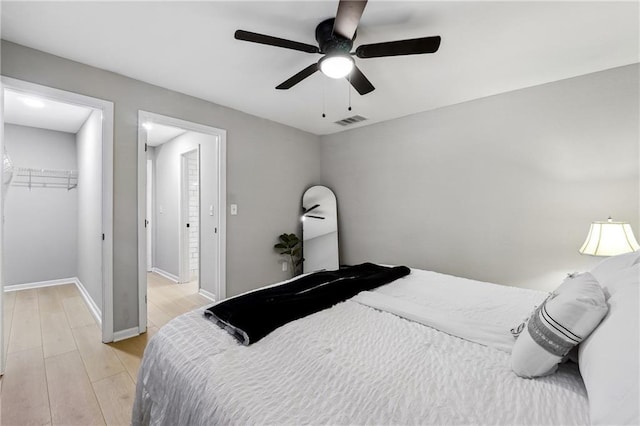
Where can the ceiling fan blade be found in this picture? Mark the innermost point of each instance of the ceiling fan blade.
(414, 46)
(360, 82)
(298, 77)
(315, 206)
(275, 41)
(348, 17)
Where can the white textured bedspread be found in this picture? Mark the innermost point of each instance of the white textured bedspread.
(353, 364)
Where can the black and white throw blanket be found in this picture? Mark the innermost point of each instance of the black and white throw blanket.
(252, 316)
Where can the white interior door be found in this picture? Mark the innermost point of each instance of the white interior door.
(189, 216)
(149, 221)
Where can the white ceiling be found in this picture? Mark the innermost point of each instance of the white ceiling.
(487, 48)
(157, 134)
(52, 115)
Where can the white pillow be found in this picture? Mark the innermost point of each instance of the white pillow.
(609, 360)
(620, 279)
(567, 317)
(613, 264)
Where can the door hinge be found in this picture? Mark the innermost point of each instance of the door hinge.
(145, 147)
(102, 237)
(146, 222)
(215, 230)
(145, 298)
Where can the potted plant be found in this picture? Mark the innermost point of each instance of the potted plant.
(290, 246)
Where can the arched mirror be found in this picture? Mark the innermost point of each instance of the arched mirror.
(319, 229)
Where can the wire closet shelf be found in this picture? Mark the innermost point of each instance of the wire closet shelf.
(44, 178)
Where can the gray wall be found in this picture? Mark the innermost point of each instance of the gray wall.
(89, 148)
(40, 233)
(267, 193)
(501, 189)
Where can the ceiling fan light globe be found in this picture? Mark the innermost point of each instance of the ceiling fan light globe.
(338, 66)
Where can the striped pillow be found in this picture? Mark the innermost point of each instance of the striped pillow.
(566, 318)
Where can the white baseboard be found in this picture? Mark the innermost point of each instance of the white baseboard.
(39, 284)
(207, 294)
(126, 334)
(96, 312)
(166, 274)
(91, 304)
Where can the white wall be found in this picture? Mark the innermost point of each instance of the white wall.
(151, 155)
(89, 152)
(268, 194)
(501, 189)
(40, 233)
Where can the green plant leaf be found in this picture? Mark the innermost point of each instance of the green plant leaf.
(280, 246)
(296, 251)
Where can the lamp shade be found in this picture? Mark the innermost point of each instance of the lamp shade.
(609, 239)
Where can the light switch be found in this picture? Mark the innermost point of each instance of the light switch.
(161, 211)
(210, 210)
(234, 209)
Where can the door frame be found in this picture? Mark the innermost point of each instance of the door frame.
(221, 222)
(107, 109)
(150, 221)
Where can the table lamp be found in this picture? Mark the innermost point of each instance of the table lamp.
(609, 239)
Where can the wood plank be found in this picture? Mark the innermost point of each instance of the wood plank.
(56, 332)
(66, 291)
(25, 400)
(130, 351)
(99, 359)
(9, 303)
(25, 327)
(157, 315)
(166, 303)
(72, 399)
(77, 312)
(115, 395)
(197, 300)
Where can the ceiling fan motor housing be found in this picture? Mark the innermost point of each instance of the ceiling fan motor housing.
(331, 43)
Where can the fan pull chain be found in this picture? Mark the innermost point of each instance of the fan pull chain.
(349, 89)
(323, 100)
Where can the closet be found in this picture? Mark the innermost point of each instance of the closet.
(41, 206)
(52, 192)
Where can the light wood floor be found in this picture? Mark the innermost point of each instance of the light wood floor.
(59, 372)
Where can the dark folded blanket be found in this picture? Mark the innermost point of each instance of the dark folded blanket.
(252, 316)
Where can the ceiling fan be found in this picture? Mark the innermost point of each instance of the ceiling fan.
(335, 39)
(306, 212)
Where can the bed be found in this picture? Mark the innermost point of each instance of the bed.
(368, 360)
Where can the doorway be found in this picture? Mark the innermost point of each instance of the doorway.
(182, 206)
(83, 148)
(190, 216)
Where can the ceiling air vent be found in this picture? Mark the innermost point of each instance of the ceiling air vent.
(351, 120)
